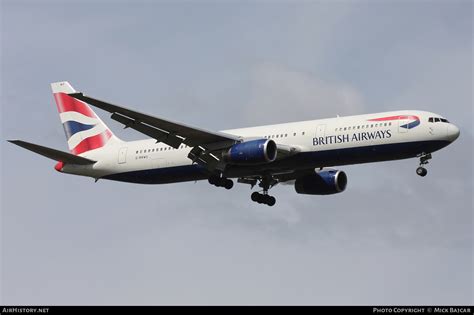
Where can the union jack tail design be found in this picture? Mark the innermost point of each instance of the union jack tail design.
(84, 130)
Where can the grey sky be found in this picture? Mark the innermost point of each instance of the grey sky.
(390, 238)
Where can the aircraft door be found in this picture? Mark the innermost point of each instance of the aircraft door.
(122, 155)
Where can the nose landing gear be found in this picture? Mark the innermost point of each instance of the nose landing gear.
(421, 170)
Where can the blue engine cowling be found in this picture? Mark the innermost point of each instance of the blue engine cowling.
(252, 152)
(322, 183)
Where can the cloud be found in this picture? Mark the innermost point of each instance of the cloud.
(281, 94)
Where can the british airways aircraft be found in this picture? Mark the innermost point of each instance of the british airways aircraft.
(297, 153)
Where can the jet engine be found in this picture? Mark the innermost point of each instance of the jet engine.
(252, 152)
(324, 182)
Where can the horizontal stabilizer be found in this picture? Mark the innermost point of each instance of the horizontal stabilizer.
(53, 154)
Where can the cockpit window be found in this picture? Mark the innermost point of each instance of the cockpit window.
(436, 119)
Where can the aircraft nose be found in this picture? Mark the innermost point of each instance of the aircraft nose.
(453, 132)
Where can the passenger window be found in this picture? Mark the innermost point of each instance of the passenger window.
(302, 133)
(358, 127)
(372, 126)
(345, 128)
(137, 152)
(294, 134)
(277, 136)
(286, 135)
(348, 128)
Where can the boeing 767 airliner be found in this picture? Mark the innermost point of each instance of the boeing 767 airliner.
(298, 153)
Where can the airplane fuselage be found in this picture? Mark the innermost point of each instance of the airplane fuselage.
(320, 143)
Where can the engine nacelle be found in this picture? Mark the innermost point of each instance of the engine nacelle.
(254, 152)
(322, 183)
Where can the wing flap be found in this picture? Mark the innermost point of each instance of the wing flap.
(159, 135)
(53, 153)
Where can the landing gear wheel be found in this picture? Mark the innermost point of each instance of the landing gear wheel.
(266, 182)
(213, 180)
(421, 171)
(221, 182)
(228, 184)
(424, 158)
(265, 199)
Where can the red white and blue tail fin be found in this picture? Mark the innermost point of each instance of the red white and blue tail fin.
(84, 130)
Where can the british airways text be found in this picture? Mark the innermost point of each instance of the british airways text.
(360, 136)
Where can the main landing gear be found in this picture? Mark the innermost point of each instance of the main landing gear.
(266, 183)
(221, 182)
(421, 171)
(263, 198)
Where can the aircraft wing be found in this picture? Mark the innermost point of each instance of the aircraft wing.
(163, 130)
(206, 144)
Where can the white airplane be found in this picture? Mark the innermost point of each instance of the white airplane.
(297, 153)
